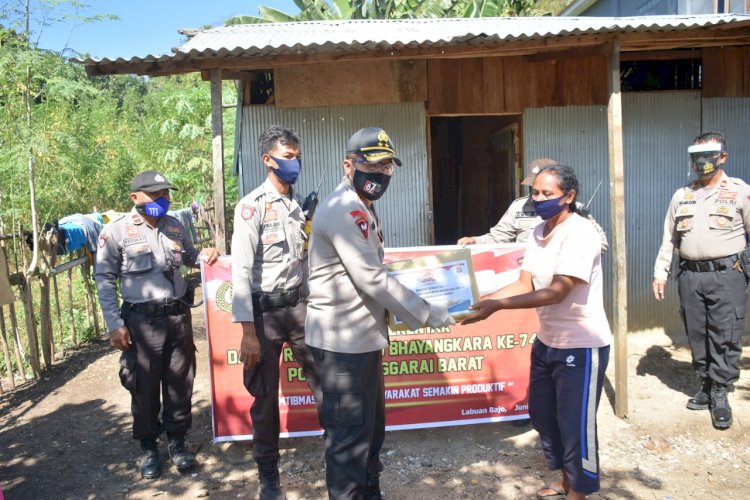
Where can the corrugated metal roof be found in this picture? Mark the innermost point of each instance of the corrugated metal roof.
(352, 36)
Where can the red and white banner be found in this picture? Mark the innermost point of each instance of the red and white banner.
(433, 377)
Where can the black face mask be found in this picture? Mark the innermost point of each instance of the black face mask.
(370, 185)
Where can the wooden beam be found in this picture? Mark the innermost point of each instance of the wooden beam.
(249, 76)
(617, 233)
(217, 146)
(662, 55)
(555, 54)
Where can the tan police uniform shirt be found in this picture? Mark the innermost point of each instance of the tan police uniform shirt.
(350, 289)
(518, 223)
(267, 247)
(145, 259)
(707, 223)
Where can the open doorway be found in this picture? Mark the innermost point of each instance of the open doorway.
(475, 173)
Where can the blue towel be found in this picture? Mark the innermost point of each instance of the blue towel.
(77, 230)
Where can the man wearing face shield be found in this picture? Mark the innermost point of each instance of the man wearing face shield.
(269, 293)
(705, 236)
(143, 251)
(346, 327)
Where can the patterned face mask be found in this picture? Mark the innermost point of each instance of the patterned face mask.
(156, 209)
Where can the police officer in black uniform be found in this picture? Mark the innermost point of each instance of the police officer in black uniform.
(143, 251)
(705, 237)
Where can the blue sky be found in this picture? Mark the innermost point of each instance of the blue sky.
(145, 27)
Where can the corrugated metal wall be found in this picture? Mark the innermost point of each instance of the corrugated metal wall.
(731, 115)
(575, 136)
(657, 129)
(324, 132)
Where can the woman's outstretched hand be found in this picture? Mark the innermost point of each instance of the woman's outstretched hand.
(482, 310)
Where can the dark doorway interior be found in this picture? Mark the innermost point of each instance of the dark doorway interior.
(475, 173)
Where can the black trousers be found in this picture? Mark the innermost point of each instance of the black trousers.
(160, 365)
(565, 388)
(273, 328)
(713, 305)
(353, 413)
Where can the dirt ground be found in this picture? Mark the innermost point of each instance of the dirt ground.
(68, 436)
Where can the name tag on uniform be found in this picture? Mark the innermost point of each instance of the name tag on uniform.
(127, 242)
(272, 232)
(525, 215)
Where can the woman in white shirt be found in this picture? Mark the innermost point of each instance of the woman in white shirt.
(561, 276)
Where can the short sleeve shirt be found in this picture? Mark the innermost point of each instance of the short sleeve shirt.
(573, 248)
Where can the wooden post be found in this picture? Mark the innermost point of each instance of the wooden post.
(70, 308)
(217, 146)
(617, 218)
(13, 321)
(91, 299)
(6, 351)
(45, 309)
(59, 314)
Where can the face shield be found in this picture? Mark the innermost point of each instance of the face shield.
(704, 158)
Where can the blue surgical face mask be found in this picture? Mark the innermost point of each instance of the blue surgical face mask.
(288, 170)
(549, 208)
(156, 209)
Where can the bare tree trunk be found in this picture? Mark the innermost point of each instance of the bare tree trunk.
(28, 308)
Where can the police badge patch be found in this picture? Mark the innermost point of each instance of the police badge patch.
(360, 219)
(247, 212)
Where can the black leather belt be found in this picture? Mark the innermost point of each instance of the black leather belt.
(160, 309)
(704, 266)
(270, 301)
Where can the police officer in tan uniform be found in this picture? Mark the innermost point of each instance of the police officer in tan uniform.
(268, 274)
(518, 222)
(346, 329)
(144, 251)
(706, 231)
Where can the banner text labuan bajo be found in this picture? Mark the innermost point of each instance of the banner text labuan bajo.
(433, 377)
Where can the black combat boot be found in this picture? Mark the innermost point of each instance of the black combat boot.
(268, 477)
(721, 412)
(372, 488)
(181, 457)
(150, 466)
(702, 398)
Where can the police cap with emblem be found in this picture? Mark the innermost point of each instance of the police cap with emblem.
(373, 145)
(534, 167)
(149, 182)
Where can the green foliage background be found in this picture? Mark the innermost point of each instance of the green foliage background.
(88, 137)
